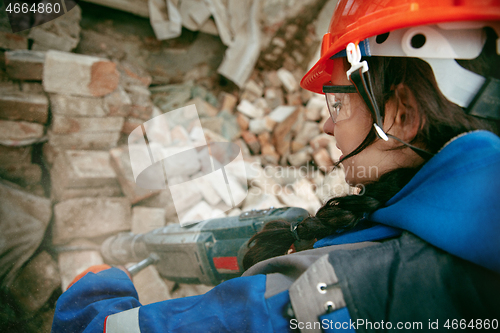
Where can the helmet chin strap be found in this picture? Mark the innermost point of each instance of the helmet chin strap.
(358, 74)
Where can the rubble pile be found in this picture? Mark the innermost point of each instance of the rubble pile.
(65, 168)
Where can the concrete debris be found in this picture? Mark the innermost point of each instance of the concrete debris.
(117, 103)
(259, 199)
(11, 41)
(228, 102)
(283, 175)
(304, 190)
(171, 97)
(80, 173)
(333, 185)
(287, 79)
(271, 79)
(252, 142)
(269, 154)
(145, 219)
(294, 98)
(61, 33)
(245, 151)
(261, 103)
(211, 136)
(78, 218)
(285, 117)
(322, 141)
(249, 110)
(243, 121)
(139, 95)
(274, 97)
(309, 131)
(73, 263)
(199, 212)
(323, 159)
(189, 197)
(203, 108)
(91, 76)
(24, 106)
(314, 108)
(132, 74)
(20, 131)
(80, 106)
(164, 201)
(150, 286)
(35, 283)
(84, 140)
(60, 194)
(131, 124)
(66, 125)
(252, 91)
(120, 161)
(300, 158)
(143, 112)
(24, 64)
(230, 129)
(208, 192)
(260, 125)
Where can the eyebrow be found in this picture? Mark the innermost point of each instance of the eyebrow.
(339, 89)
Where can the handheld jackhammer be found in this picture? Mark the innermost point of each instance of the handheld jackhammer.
(208, 252)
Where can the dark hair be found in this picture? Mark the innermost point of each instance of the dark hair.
(439, 121)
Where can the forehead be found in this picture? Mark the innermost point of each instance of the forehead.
(339, 76)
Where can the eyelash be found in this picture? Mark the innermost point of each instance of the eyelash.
(337, 106)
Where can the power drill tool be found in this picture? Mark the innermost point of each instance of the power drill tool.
(208, 252)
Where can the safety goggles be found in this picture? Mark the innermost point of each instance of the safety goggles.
(338, 101)
(359, 76)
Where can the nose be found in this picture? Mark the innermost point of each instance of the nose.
(329, 126)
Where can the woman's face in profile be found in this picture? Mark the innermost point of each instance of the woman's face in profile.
(353, 122)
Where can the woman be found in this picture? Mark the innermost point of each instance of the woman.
(400, 111)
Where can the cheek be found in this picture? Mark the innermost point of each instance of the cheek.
(351, 132)
(347, 138)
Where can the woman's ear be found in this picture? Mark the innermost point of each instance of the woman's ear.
(401, 114)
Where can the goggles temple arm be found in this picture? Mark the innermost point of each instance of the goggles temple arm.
(360, 78)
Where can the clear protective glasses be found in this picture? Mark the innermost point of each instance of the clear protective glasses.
(338, 101)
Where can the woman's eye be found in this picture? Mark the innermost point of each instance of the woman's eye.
(337, 105)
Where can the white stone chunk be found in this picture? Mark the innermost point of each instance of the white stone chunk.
(281, 113)
(145, 219)
(249, 109)
(288, 80)
(260, 125)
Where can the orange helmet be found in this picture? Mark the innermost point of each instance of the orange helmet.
(355, 21)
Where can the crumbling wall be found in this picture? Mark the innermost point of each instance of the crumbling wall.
(67, 182)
